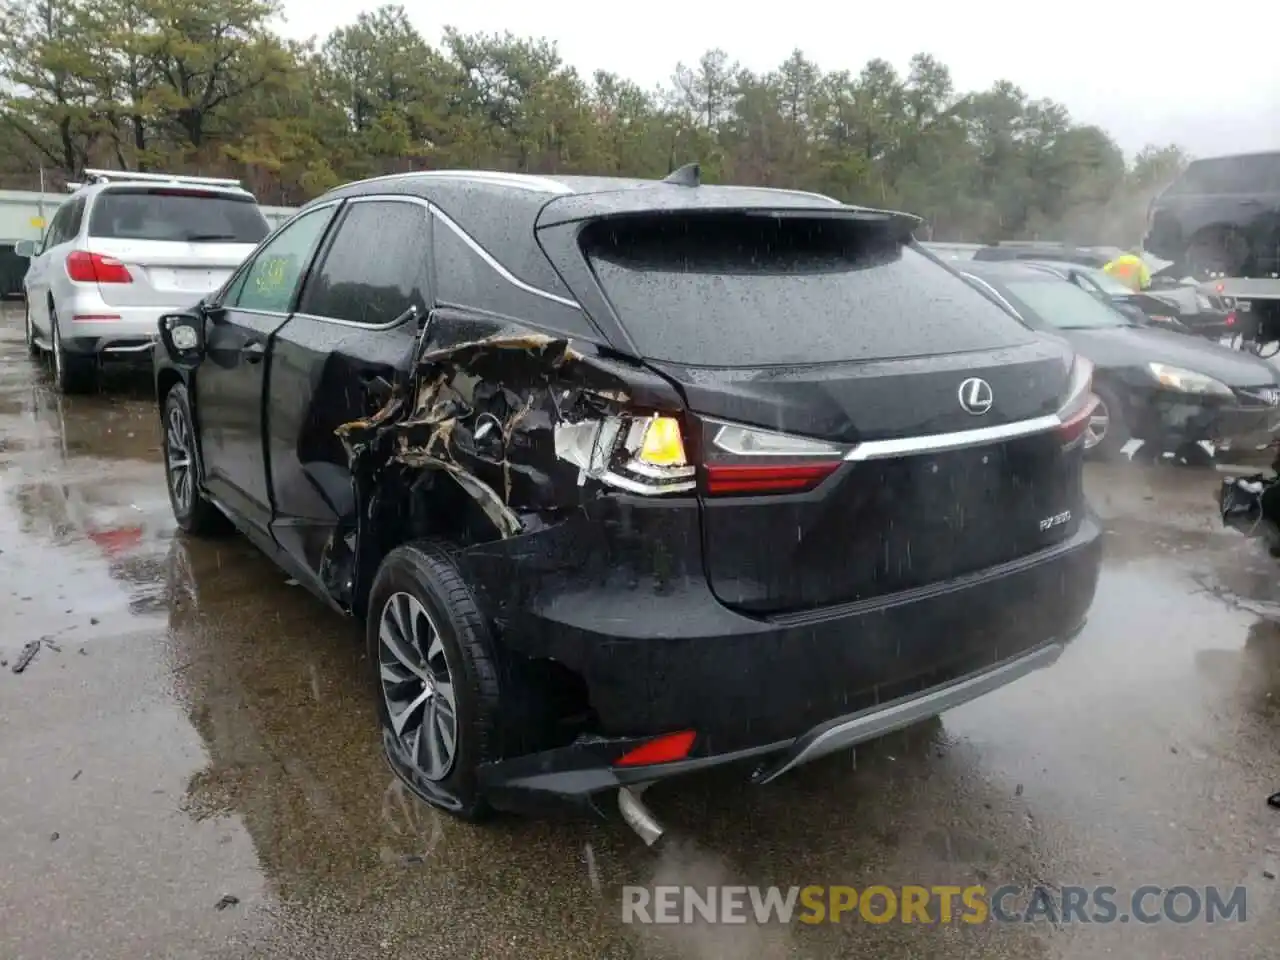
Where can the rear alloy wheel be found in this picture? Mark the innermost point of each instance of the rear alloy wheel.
(71, 373)
(435, 678)
(1107, 433)
(194, 514)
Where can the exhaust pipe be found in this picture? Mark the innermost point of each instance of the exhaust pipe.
(637, 815)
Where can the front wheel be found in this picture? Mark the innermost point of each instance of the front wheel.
(435, 677)
(193, 512)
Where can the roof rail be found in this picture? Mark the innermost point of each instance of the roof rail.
(130, 176)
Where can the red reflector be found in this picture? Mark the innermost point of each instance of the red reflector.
(1231, 319)
(673, 746)
(84, 267)
(773, 478)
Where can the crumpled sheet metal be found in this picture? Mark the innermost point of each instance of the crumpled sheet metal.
(485, 412)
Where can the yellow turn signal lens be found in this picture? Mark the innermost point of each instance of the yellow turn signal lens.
(663, 445)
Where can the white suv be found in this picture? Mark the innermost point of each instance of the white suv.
(122, 250)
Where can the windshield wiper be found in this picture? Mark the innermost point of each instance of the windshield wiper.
(194, 237)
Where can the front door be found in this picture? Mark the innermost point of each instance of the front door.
(231, 379)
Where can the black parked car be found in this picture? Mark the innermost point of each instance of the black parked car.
(1166, 389)
(629, 478)
(1182, 309)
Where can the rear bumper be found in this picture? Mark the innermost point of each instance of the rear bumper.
(91, 327)
(785, 691)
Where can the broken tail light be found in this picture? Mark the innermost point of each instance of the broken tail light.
(747, 461)
(1079, 405)
(85, 267)
(638, 454)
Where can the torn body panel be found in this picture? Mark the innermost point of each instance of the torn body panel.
(480, 410)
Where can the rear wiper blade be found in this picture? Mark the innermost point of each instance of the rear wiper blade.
(209, 236)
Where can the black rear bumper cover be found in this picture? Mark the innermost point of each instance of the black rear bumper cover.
(661, 661)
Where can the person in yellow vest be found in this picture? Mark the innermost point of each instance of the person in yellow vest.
(1131, 270)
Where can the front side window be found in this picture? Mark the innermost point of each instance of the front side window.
(377, 266)
(272, 278)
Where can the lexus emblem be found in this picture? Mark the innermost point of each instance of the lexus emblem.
(976, 396)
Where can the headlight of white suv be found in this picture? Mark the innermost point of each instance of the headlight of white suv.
(1188, 381)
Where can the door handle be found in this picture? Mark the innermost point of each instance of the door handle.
(253, 351)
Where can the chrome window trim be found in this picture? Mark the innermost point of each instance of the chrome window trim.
(522, 181)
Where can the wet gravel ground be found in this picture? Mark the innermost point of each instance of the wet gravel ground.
(188, 766)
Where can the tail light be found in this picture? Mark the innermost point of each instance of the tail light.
(639, 454)
(1231, 319)
(747, 461)
(1077, 409)
(647, 455)
(85, 267)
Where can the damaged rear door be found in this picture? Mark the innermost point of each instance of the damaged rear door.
(335, 361)
(868, 422)
(231, 381)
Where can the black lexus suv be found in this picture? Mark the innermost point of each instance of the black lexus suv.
(629, 478)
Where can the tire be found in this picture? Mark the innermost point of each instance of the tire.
(33, 351)
(71, 374)
(419, 592)
(1216, 251)
(191, 509)
(1116, 434)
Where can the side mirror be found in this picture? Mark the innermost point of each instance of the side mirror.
(183, 337)
(26, 249)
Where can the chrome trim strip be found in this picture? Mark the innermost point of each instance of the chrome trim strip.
(521, 181)
(995, 293)
(502, 271)
(877, 721)
(389, 325)
(134, 348)
(937, 442)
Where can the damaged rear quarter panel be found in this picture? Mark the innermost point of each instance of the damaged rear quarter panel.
(481, 404)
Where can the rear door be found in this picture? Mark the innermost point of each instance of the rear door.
(334, 360)
(178, 243)
(900, 424)
(231, 379)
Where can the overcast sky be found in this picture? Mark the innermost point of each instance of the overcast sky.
(1206, 76)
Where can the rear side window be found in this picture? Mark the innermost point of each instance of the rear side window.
(165, 213)
(754, 290)
(1258, 173)
(376, 267)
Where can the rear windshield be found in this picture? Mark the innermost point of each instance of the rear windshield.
(754, 290)
(1060, 304)
(160, 213)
